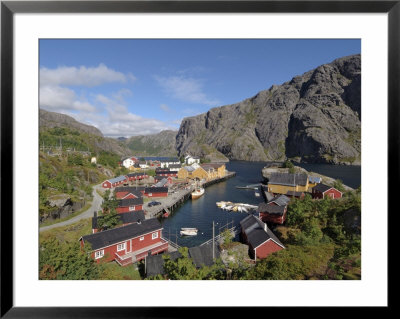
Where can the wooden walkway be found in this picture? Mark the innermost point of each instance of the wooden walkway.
(216, 238)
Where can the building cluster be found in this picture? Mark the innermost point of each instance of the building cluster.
(278, 193)
(136, 237)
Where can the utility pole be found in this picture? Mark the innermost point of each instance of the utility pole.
(213, 243)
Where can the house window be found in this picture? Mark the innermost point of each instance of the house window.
(141, 238)
(131, 208)
(154, 235)
(121, 246)
(99, 254)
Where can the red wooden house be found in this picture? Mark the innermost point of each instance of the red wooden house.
(127, 244)
(166, 172)
(272, 213)
(129, 205)
(125, 219)
(127, 192)
(114, 182)
(136, 176)
(321, 191)
(156, 191)
(261, 240)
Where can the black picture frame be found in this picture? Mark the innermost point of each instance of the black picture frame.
(9, 8)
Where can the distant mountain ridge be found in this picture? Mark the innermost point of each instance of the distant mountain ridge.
(160, 144)
(315, 117)
(89, 138)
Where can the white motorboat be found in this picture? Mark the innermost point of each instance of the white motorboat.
(188, 231)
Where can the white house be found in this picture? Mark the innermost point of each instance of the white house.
(171, 161)
(128, 162)
(93, 160)
(191, 159)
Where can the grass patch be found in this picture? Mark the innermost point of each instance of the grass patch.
(113, 271)
(68, 233)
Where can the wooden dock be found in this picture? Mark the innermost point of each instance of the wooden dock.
(174, 200)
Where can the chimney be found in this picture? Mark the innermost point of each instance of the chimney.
(95, 214)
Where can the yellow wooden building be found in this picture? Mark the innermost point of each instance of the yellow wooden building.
(205, 171)
(214, 170)
(281, 183)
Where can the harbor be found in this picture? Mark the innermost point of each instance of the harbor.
(178, 196)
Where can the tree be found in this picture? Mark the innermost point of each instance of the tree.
(110, 217)
(183, 268)
(65, 261)
(338, 184)
(109, 220)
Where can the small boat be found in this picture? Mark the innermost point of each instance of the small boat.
(198, 192)
(257, 194)
(188, 231)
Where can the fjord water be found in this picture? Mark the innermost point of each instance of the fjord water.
(201, 213)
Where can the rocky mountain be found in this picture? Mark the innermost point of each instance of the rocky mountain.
(160, 144)
(76, 135)
(314, 117)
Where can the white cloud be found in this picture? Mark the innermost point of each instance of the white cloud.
(84, 76)
(119, 121)
(186, 89)
(57, 98)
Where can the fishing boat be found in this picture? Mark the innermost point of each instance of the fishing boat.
(188, 231)
(198, 192)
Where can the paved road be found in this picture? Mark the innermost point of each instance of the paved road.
(96, 203)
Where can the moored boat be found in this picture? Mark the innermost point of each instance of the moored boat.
(188, 231)
(198, 192)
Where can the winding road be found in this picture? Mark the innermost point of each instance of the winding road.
(96, 205)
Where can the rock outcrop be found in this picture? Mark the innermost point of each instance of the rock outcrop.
(315, 117)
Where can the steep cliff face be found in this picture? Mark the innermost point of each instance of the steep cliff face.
(315, 117)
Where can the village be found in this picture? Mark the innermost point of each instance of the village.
(142, 200)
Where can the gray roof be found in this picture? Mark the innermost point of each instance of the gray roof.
(155, 263)
(270, 209)
(130, 202)
(116, 235)
(314, 179)
(125, 218)
(117, 179)
(288, 179)
(189, 168)
(322, 187)
(280, 200)
(156, 190)
(256, 233)
(293, 193)
(129, 189)
(161, 183)
(136, 174)
(203, 255)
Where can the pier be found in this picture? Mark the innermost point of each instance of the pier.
(177, 198)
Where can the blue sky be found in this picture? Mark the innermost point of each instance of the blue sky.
(139, 87)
